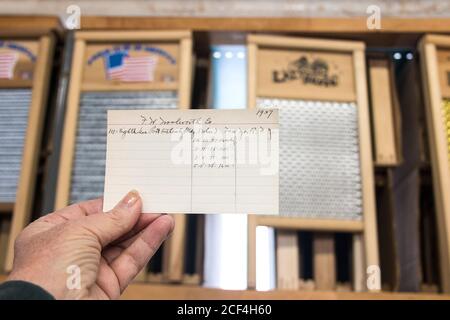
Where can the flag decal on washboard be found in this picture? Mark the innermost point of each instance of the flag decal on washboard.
(8, 61)
(120, 66)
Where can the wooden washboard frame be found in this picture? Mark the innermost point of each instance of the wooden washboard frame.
(174, 247)
(43, 34)
(365, 242)
(437, 87)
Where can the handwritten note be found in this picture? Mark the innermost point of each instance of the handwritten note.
(194, 161)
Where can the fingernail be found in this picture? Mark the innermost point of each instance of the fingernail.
(130, 199)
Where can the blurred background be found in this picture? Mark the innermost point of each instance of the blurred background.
(55, 90)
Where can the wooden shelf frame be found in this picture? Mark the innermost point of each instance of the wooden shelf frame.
(269, 24)
(22, 207)
(149, 291)
(429, 46)
(174, 254)
(185, 292)
(365, 231)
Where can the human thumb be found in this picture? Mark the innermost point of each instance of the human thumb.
(112, 225)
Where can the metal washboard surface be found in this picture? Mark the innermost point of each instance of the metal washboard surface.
(446, 114)
(14, 107)
(90, 147)
(319, 159)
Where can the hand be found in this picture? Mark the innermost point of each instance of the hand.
(109, 249)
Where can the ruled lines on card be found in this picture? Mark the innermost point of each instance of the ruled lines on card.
(194, 161)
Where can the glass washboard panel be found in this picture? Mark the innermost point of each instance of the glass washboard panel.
(90, 148)
(14, 107)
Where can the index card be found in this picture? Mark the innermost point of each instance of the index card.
(194, 161)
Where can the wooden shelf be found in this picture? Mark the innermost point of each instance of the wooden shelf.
(180, 292)
(267, 24)
(310, 224)
(28, 26)
(186, 292)
(395, 32)
(142, 86)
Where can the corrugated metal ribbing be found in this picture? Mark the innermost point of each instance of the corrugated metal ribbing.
(446, 112)
(14, 107)
(319, 158)
(90, 148)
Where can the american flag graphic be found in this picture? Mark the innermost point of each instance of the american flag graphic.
(120, 66)
(7, 63)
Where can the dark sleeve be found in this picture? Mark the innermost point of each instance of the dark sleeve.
(22, 290)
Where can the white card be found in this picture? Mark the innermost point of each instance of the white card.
(194, 161)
